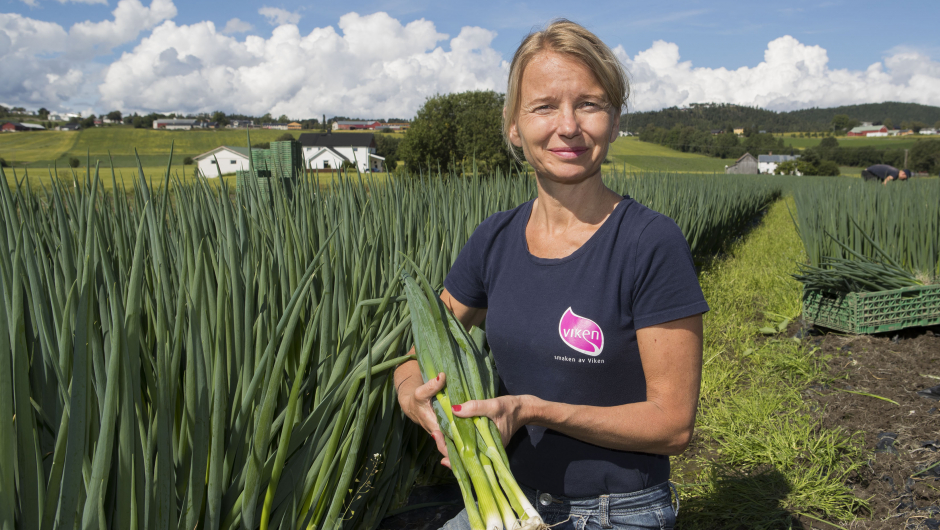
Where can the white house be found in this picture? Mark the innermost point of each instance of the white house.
(767, 164)
(330, 151)
(223, 160)
(928, 132)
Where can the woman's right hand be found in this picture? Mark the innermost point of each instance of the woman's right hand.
(415, 400)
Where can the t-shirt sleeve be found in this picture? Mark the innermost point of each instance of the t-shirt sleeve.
(465, 281)
(665, 286)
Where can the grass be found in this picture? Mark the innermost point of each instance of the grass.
(125, 176)
(760, 458)
(645, 156)
(889, 142)
(41, 149)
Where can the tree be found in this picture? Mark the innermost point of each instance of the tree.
(115, 115)
(888, 123)
(220, 118)
(74, 162)
(454, 130)
(842, 122)
(283, 119)
(387, 147)
(829, 143)
(3, 163)
(925, 156)
(43, 113)
(88, 122)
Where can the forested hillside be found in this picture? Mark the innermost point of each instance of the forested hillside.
(712, 116)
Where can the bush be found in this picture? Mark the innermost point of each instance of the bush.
(74, 162)
(188, 161)
(3, 163)
(261, 145)
(286, 137)
(828, 168)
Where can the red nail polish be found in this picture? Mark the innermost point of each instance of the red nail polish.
(438, 378)
(456, 408)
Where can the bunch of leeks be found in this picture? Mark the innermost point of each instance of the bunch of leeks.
(474, 445)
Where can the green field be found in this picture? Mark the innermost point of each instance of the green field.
(42, 149)
(644, 156)
(890, 142)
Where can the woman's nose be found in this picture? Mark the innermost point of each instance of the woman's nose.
(568, 123)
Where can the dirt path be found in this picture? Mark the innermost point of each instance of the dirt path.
(904, 438)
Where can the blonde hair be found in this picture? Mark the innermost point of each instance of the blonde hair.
(566, 38)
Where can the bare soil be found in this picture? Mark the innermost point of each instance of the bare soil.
(903, 438)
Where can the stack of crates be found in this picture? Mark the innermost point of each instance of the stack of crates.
(283, 160)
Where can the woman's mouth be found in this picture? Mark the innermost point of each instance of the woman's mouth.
(568, 152)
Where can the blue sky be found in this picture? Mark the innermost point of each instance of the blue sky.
(678, 52)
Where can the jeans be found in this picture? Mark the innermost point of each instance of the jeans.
(645, 509)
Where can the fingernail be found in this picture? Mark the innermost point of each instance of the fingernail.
(456, 408)
(438, 378)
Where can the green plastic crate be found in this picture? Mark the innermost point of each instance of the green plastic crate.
(874, 312)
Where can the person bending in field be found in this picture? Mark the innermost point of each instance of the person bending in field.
(592, 306)
(885, 173)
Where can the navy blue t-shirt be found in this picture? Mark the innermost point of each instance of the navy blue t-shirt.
(564, 330)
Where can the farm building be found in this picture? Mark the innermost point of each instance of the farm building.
(746, 165)
(294, 126)
(20, 127)
(275, 126)
(355, 124)
(222, 160)
(329, 151)
(69, 127)
(767, 164)
(174, 124)
(395, 126)
(866, 130)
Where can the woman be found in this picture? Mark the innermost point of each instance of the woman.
(592, 306)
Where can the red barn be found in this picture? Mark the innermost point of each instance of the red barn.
(864, 130)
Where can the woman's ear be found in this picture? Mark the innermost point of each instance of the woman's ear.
(514, 136)
(513, 131)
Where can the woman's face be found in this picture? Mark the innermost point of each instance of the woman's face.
(564, 124)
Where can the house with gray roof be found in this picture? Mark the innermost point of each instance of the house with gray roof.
(330, 151)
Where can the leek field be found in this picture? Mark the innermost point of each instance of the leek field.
(183, 356)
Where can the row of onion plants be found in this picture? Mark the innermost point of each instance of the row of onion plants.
(196, 358)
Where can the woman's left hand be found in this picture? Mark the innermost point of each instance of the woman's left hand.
(509, 413)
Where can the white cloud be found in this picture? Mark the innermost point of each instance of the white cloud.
(235, 26)
(792, 76)
(45, 65)
(130, 19)
(31, 3)
(375, 67)
(277, 16)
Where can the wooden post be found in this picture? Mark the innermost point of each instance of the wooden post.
(905, 159)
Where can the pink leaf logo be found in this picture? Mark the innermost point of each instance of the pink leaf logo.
(581, 334)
